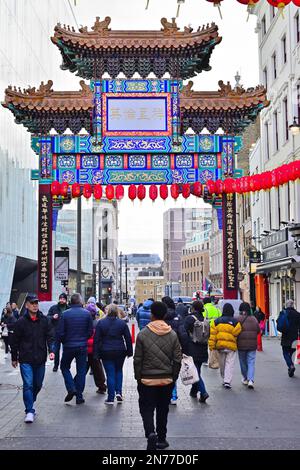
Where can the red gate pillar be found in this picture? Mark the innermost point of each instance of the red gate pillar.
(230, 253)
(44, 290)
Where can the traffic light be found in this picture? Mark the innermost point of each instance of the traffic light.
(109, 290)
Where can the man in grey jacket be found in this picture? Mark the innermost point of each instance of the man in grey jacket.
(157, 362)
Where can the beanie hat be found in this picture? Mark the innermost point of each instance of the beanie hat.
(63, 296)
(91, 300)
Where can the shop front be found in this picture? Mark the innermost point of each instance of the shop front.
(280, 272)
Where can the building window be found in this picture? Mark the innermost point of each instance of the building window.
(297, 28)
(286, 119)
(263, 26)
(272, 12)
(267, 141)
(298, 101)
(265, 74)
(276, 131)
(284, 54)
(274, 62)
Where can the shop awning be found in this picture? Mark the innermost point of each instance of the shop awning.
(285, 263)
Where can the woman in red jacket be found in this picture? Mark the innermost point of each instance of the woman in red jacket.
(95, 364)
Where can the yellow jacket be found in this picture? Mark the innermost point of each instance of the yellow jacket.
(223, 333)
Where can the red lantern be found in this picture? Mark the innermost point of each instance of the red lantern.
(266, 180)
(76, 190)
(211, 186)
(280, 4)
(228, 185)
(132, 192)
(274, 176)
(217, 3)
(197, 190)
(294, 170)
(174, 191)
(64, 189)
(163, 191)
(219, 187)
(98, 191)
(296, 2)
(55, 188)
(119, 192)
(87, 190)
(186, 190)
(153, 192)
(141, 192)
(110, 192)
(238, 188)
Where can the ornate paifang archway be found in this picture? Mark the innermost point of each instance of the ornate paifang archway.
(135, 127)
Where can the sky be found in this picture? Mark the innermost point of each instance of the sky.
(141, 224)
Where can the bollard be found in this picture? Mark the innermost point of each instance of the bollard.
(259, 342)
(133, 333)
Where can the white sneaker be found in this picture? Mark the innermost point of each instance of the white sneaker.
(29, 418)
(244, 381)
(173, 402)
(250, 384)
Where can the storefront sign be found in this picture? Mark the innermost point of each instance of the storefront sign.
(230, 254)
(277, 252)
(255, 257)
(61, 265)
(275, 238)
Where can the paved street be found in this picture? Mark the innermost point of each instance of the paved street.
(266, 418)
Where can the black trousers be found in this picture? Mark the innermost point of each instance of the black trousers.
(153, 399)
(98, 373)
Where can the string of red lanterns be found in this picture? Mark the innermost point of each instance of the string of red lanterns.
(263, 181)
(246, 184)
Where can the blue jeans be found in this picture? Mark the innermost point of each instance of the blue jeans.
(32, 377)
(288, 355)
(174, 392)
(198, 386)
(76, 384)
(114, 376)
(247, 364)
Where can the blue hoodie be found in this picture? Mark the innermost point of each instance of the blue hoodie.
(143, 314)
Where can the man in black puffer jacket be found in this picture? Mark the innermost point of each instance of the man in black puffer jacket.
(32, 333)
(290, 335)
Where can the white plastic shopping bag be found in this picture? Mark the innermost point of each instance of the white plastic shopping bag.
(188, 372)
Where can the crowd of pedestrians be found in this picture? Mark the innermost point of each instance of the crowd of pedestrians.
(98, 339)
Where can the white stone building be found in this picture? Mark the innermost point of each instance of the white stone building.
(279, 62)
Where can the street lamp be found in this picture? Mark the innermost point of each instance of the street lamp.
(202, 264)
(295, 127)
(126, 284)
(121, 259)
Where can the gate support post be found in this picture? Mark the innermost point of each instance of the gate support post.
(44, 289)
(230, 252)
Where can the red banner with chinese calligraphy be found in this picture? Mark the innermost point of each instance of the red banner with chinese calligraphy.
(45, 244)
(230, 253)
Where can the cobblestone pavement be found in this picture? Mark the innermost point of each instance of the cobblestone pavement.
(264, 418)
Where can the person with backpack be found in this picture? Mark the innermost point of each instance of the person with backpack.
(157, 362)
(223, 337)
(175, 322)
(288, 323)
(197, 329)
(247, 344)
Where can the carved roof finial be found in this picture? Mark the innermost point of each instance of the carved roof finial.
(101, 26)
(169, 27)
